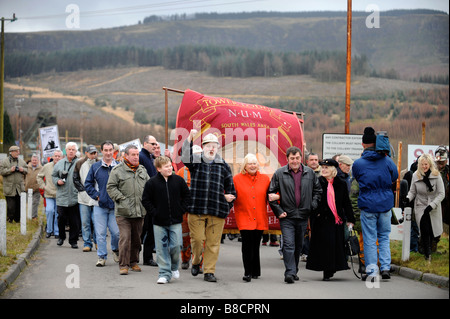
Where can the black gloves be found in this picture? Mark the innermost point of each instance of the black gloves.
(405, 202)
(427, 210)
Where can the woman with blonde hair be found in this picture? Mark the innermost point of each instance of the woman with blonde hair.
(427, 191)
(250, 209)
(327, 245)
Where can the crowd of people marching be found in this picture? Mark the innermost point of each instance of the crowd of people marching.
(147, 204)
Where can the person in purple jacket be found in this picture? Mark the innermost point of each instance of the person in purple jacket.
(375, 172)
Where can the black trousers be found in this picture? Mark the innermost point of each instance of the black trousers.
(147, 238)
(251, 240)
(426, 234)
(13, 208)
(72, 215)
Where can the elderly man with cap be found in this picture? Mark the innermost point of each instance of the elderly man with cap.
(375, 172)
(212, 193)
(13, 169)
(86, 203)
(343, 171)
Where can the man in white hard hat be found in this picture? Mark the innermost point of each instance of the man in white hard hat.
(212, 193)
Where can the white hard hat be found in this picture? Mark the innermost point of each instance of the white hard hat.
(210, 138)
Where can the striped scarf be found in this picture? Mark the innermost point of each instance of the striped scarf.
(133, 167)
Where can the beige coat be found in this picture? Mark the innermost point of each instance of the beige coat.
(422, 198)
(13, 182)
(31, 178)
(47, 184)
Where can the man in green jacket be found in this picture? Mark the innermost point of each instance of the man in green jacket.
(125, 187)
(13, 169)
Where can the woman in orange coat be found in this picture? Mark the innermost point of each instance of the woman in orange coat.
(250, 208)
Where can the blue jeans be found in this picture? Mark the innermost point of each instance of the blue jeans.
(87, 218)
(104, 218)
(376, 226)
(52, 216)
(168, 242)
(292, 230)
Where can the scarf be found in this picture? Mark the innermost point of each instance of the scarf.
(133, 167)
(332, 202)
(426, 180)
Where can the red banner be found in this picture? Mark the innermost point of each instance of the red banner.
(242, 128)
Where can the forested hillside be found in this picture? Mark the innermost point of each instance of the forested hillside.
(408, 44)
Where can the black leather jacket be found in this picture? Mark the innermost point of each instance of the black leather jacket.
(283, 183)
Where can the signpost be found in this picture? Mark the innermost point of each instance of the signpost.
(347, 144)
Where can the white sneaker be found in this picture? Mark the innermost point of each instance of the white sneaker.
(101, 262)
(175, 274)
(162, 280)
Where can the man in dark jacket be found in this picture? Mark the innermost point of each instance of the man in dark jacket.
(146, 158)
(300, 193)
(104, 218)
(166, 199)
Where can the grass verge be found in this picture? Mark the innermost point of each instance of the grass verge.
(439, 264)
(16, 243)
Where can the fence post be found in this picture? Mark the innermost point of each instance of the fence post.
(23, 213)
(406, 234)
(30, 203)
(3, 227)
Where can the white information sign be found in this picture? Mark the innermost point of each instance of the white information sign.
(136, 142)
(49, 140)
(346, 144)
(414, 151)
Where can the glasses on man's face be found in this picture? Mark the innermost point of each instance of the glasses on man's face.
(154, 144)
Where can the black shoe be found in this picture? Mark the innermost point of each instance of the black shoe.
(385, 274)
(247, 278)
(60, 242)
(151, 262)
(74, 246)
(48, 235)
(295, 277)
(210, 277)
(255, 277)
(289, 279)
(195, 270)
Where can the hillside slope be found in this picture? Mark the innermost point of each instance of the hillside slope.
(413, 43)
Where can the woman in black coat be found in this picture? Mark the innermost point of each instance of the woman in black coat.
(327, 244)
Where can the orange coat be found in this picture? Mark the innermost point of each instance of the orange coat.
(250, 206)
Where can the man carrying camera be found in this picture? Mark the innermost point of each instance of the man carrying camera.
(67, 196)
(13, 169)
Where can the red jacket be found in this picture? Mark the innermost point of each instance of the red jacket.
(250, 206)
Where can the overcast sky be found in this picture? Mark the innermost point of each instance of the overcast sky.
(95, 14)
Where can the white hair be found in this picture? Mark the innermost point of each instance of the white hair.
(69, 144)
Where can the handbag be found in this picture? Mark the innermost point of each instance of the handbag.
(352, 244)
(352, 248)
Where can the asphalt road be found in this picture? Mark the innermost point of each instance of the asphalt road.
(64, 273)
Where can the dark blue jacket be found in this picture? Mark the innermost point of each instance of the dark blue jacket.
(375, 173)
(146, 159)
(95, 183)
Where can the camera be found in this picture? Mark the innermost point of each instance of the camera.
(17, 169)
(64, 175)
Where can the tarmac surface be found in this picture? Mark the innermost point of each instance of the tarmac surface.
(60, 272)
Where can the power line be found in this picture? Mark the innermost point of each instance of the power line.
(142, 8)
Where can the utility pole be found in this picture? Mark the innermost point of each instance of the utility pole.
(349, 66)
(2, 77)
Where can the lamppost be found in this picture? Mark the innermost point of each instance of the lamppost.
(2, 75)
